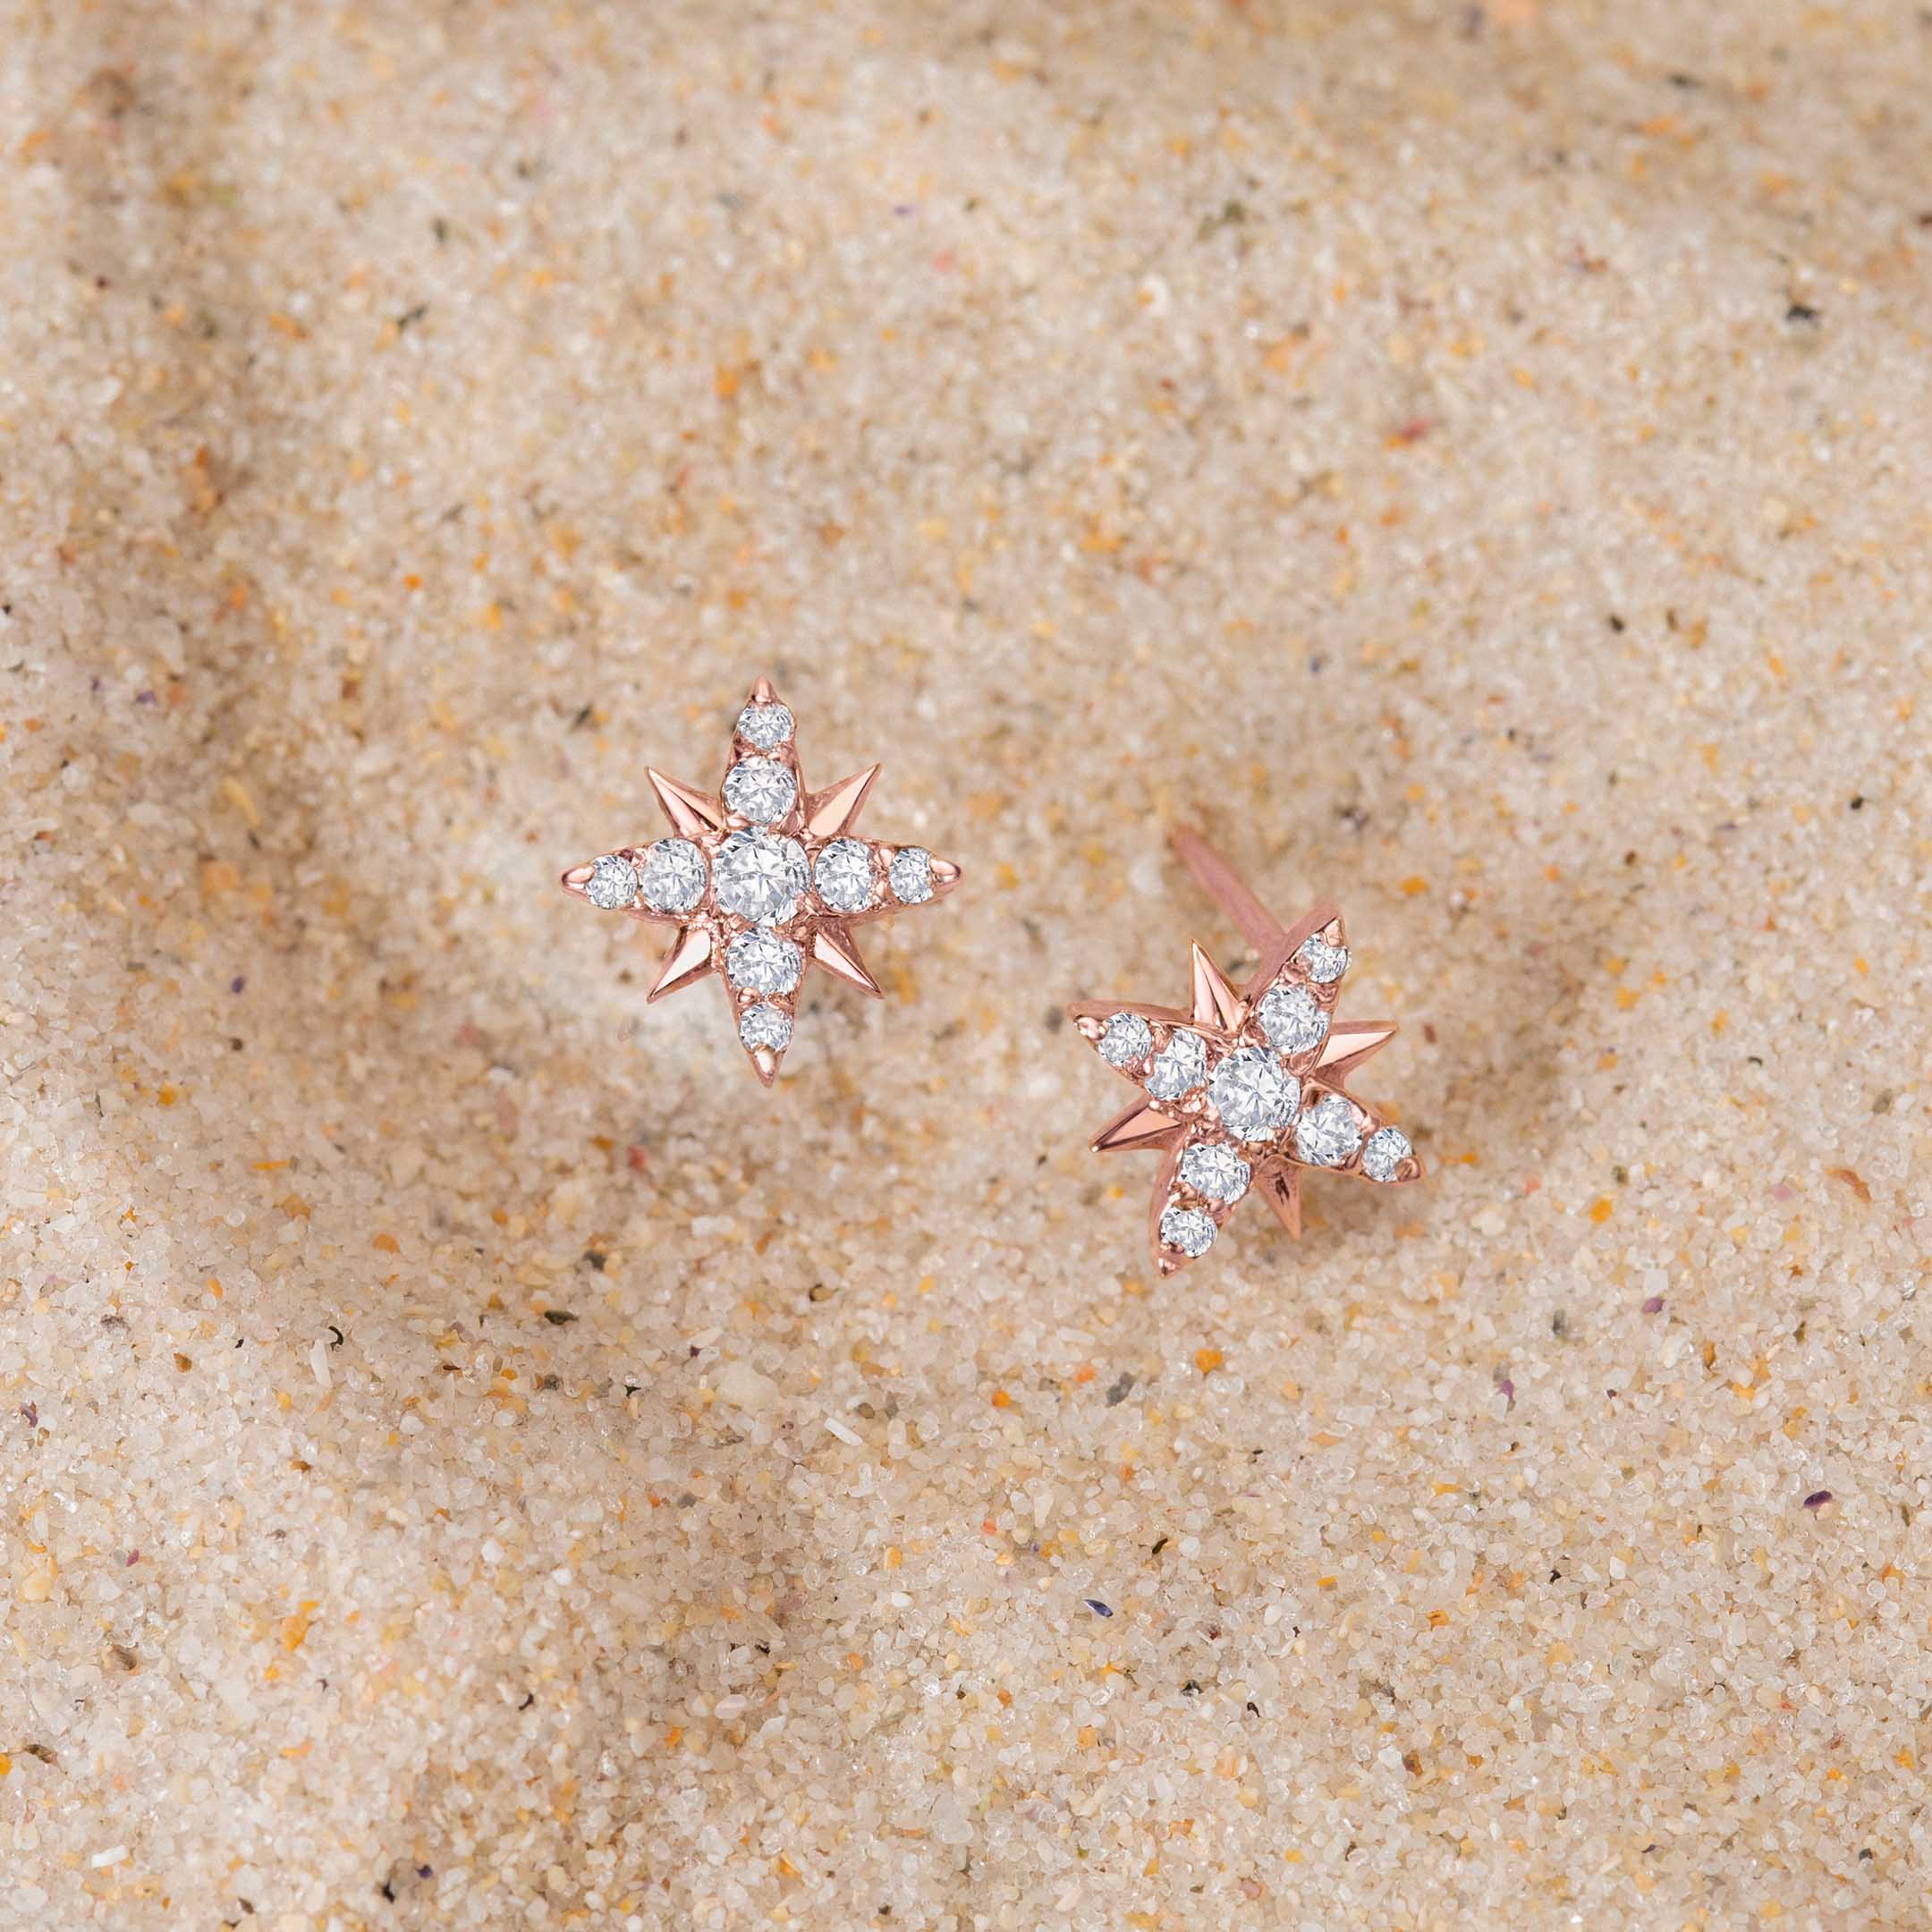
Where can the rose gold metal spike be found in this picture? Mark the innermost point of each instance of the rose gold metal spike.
(687, 962)
(1282, 1118)
(829, 814)
(691, 814)
(1216, 1003)
(1281, 1188)
(1141, 1125)
(771, 887)
(1351, 1043)
(1226, 887)
(1165, 1260)
(838, 953)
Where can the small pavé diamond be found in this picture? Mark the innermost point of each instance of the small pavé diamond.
(910, 873)
(1187, 1230)
(760, 962)
(764, 725)
(1293, 1020)
(766, 1026)
(1253, 1097)
(1386, 1150)
(1328, 1134)
(845, 875)
(672, 878)
(612, 884)
(1323, 963)
(760, 790)
(1181, 1068)
(1216, 1171)
(760, 876)
(1126, 1040)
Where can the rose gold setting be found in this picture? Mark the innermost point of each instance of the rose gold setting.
(1224, 1019)
(822, 933)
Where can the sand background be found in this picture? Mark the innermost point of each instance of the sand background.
(1475, 458)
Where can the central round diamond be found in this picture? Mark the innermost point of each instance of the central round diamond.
(1253, 1097)
(759, 875)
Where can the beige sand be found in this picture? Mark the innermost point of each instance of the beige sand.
(463, 1440)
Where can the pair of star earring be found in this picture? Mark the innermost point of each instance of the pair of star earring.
(1240, 1092)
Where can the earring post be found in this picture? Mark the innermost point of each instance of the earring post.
(1223, 885)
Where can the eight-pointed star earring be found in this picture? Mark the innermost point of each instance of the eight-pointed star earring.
(1246, 1088)
(762, 880)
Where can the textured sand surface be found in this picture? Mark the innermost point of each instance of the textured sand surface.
(469, 1456)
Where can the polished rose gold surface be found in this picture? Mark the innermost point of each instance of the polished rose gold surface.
(1224, 1018)
(822, 933)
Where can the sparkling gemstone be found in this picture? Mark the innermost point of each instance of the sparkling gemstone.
(1125, 1039)
(672, 878)
(1323, 963)
(766, 1026)
(760, 876)
(1181, 1068)
(760, 789)
(1328, 1134)
(910, 873)
(1253, 1097)
(1216, 1171)
(1188, 1229)
(612, 884)
(765, 725)
(1293, 1019)
(760, 961)
(1386, 1150)
(845, 875)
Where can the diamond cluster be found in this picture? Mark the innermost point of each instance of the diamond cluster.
(1241, 1086)
(757, 873)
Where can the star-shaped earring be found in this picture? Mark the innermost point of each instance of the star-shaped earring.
(1247, 1088)
(762, 880)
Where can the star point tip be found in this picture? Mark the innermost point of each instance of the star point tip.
(689, 811)
(835, 951)
(1217, 1001)
(688, 962)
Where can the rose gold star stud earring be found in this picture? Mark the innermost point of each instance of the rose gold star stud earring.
(1247, 1088)
(762, 880)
